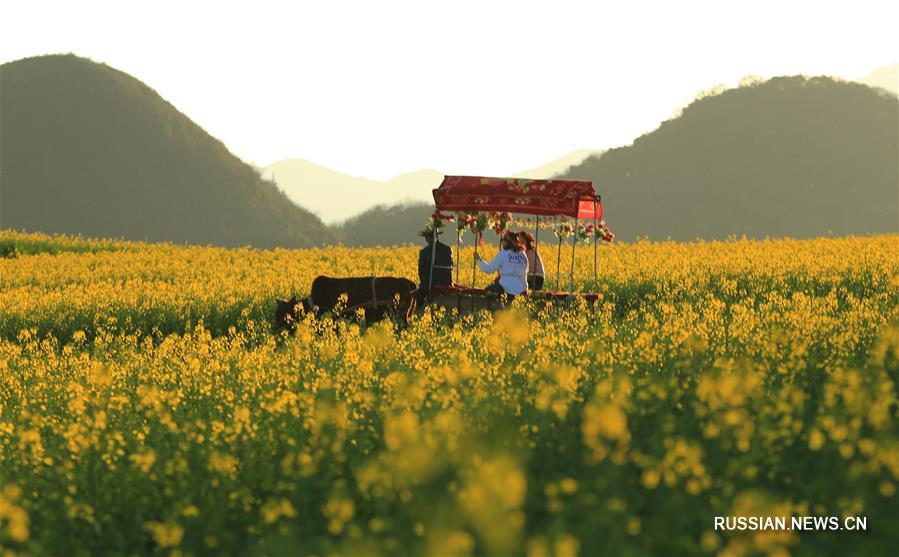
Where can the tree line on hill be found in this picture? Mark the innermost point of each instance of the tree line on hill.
(792, 156)
(93, 151)
(90, 150)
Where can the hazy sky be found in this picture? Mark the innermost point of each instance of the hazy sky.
(378, 88)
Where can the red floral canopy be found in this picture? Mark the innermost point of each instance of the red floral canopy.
(573, 198)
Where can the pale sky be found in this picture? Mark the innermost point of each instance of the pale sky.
(380, 88)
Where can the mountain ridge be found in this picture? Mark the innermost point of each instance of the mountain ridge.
(790, 156)
(325, 191)
(91, 150)
(886, 78)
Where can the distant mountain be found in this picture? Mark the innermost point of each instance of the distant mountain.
(560, 165)
(87, 149)
(885, 78)
(792, 156)
(336, 197)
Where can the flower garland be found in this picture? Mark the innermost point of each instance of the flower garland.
(603, 233)
(562, 231)
(437, 221)
(501, 221)
(463, 221)
(584, 233)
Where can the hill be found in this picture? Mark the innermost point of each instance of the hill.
(87, 149)
(384, 225)
(792, 156)
(559, 165)
(336, 197)
(886, 78)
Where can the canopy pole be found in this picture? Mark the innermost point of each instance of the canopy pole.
(474, 260)
(595, 248)
(433, 256)
(559, 258)
(536, 241)
(573, 245)
(458, 250)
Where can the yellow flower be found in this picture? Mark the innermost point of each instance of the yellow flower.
(223, 463)
(815, 440)
(165, 534)
(274, 509)
(144, 460)
(15, 516)
(566, 546)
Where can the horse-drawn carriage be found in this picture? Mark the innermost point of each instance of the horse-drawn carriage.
(473, 202)
(467, 197)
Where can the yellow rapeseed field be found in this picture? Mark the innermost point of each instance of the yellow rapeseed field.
(146, 408)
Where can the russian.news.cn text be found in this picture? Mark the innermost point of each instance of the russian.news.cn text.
(785, 523)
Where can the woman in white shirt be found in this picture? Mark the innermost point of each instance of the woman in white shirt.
(512, 264)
